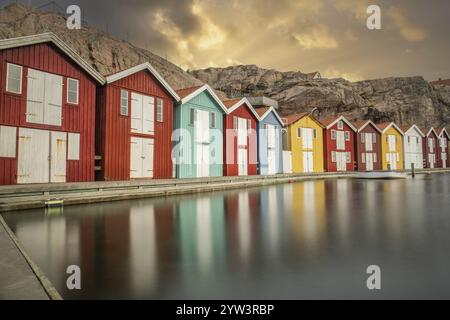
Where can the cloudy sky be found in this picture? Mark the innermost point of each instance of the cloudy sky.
(329, 36)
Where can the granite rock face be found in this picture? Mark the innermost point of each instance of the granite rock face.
(106, 54)
(403, 100)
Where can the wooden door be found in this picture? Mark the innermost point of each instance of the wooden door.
(58, 156)
(33, 156)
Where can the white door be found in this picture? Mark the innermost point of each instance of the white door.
(307, 138)
(242, 161)
(271, 161)
(141, 157)
(308, 161)
(135, 157)
(369, 161)
(35, 96)
(202, 143)
(392, 143)
(147, 157)
(340, 140)
(444, 160)
(341, 161)
(242, 147)
(58, 156)
(33, 157)
(392, 160)
(271, 149)
(148, 115)
(136, 112)
(368, 141)
(53, 99)
(431, 160)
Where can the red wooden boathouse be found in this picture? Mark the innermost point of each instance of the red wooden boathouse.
(430, 148)
(134, 124)
(240, 138)
(368, 146)
(47, 111)
(339, 144)
(443, 152)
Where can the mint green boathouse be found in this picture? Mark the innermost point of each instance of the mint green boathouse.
(198, 133)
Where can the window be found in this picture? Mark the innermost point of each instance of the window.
(315, 133)
(72, 91)
(340, 125)
(333, 156)
(213, 120)
(374, 157)
(7, 142)
(299, 132)
(333, 134)
(159, 110)
(363, 158)
(363, 136)
(123, 102)
(14, 78)
(191, 117)
(73, 146)
(409, 139)
(349, 157)
(347, 136)
(235, 122)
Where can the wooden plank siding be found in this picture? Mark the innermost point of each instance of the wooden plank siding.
(79, 118)
(113, 131)
(230, 166)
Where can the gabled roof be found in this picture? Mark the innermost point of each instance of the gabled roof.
(329, 122)
(441, 131)
(428, 131)
(409, 127)
(386, 125)
(233, 104)
(143, 66)
(187, 94)
(263, 112)
(51, 37)
(361, 124)
(294, 118)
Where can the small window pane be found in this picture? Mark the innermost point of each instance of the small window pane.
(192, 117)
(14, 80)
(159, 110)
(299, 132)
(123, 102)
(72, 91)
(213, 120)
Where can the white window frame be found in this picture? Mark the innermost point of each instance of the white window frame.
(78, 91)
(333, 156)
(374, 157)
(340, 125)
(7, 78)
(159, 110)
(347, 135)
(128, 102)
(333, 134)
(213, 120)
(348, 157)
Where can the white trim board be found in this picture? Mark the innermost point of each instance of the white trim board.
(343, 119)
(51, 37)
(240, 103)
(211, 92)
(143, 66)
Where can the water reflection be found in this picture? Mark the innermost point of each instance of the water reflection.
(311, 239)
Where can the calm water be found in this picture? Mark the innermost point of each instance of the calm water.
(302, 240)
